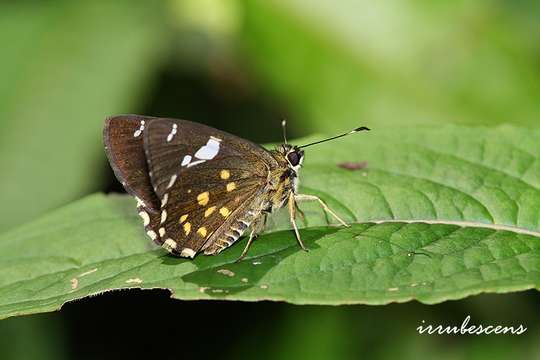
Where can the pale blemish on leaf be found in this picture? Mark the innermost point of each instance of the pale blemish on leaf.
(134, 281)
(226, 272)
(74, 283)
(88, 272)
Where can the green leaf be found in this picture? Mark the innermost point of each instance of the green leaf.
(388, 63)
(69, 66)
(437, 214)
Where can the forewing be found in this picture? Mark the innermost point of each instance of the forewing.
(204, 178)
(123, 138)
(195, 152)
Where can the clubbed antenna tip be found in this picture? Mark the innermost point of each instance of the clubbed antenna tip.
(361, 128)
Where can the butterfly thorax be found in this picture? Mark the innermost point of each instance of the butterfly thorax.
(283, 178)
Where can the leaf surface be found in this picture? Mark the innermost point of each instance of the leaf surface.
(437, 214)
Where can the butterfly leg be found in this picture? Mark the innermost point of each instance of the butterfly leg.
(301, 213)
(292, 215)
(257, 227)
(304, 197)
(252, 236)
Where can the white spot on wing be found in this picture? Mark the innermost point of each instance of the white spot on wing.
(196, 163)
(139, 130)
(171, 182)
(208, 151)
(186, 160)
(145, 217)
(172, 133)
(187, 252)
(163, 216)
(164, 200)
(169, 244)
(152, 234)
(139, 202)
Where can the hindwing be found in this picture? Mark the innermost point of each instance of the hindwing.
(123, 138)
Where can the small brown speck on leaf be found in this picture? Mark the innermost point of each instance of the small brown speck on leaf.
(351, 165)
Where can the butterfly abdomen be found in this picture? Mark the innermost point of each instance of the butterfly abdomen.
(231, 234)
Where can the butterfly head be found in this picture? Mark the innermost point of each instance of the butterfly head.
(293, 154)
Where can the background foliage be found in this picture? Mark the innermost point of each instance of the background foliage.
(241, 66)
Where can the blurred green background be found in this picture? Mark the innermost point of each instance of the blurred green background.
(242, 66)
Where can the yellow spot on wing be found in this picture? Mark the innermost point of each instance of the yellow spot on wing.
(187, 228)
(225, 174)
(202, 231)
(224, 212)
(231, 186)
(183, 218)
(203, 198)
(209, 211)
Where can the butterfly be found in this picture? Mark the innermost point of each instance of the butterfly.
(198, 189)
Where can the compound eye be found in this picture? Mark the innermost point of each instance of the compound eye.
(294, 158)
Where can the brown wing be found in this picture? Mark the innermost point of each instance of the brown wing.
(197, 216)
(123, 138)
(204, 178)
(192, 150)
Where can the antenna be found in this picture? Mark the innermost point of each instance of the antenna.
(284, 128)
(361, 128)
